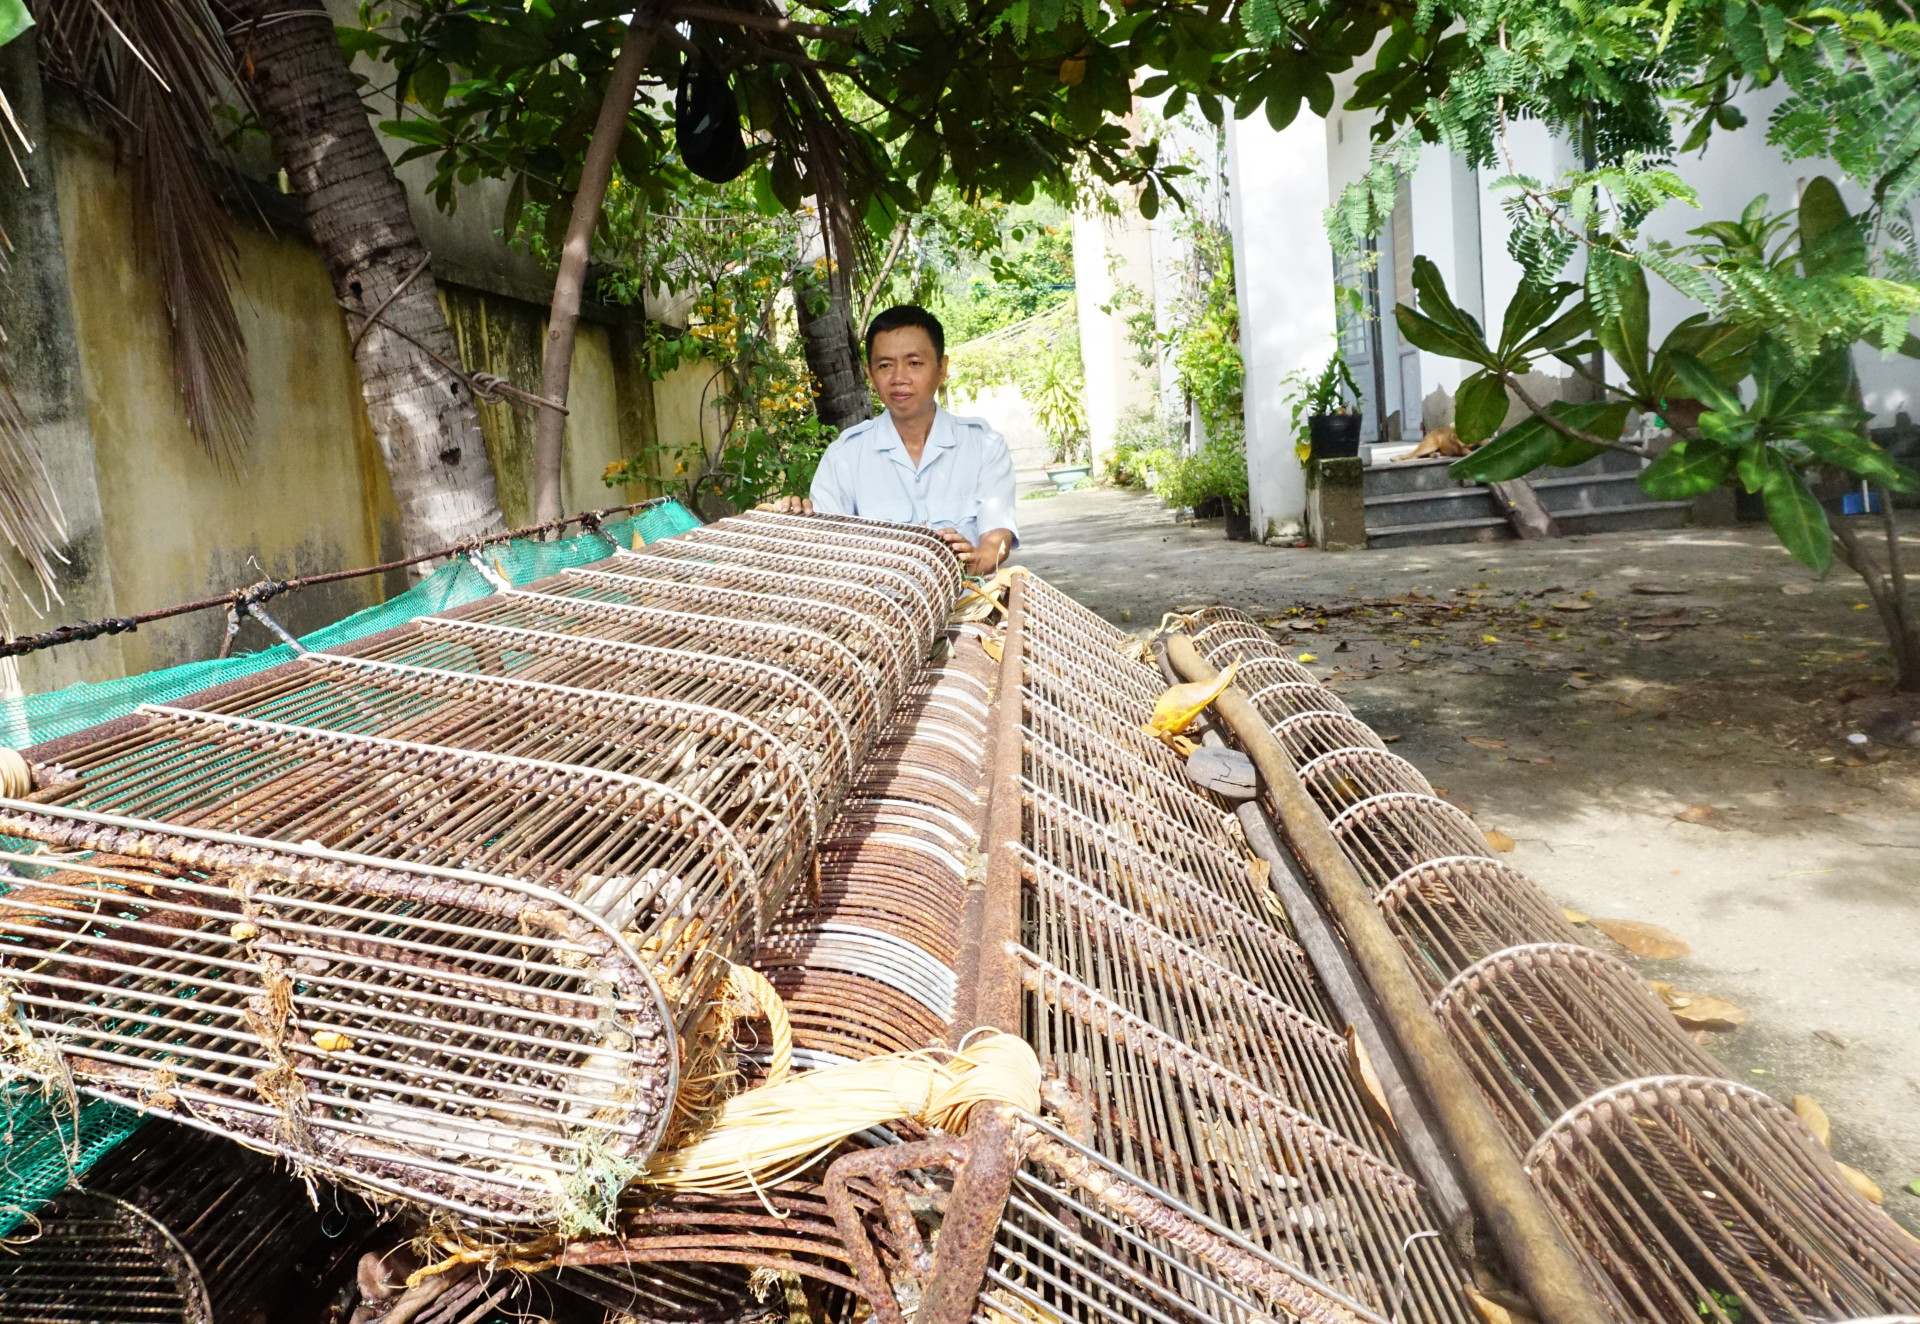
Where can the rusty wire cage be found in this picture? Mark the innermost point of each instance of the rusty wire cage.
(179, 1226)
(1164, 989)
(438, 912)
(1692, 1197)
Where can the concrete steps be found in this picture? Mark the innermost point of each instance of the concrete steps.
(1414, 503)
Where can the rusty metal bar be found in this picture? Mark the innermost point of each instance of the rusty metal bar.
(1510, 1204)
(989, 978)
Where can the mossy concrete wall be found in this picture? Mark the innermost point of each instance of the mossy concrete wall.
(155, 520)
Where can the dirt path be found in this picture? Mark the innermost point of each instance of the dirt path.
(1585, 730)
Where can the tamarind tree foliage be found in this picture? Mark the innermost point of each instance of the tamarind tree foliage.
(1758, 384)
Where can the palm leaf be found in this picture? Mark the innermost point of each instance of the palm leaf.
(153, 72)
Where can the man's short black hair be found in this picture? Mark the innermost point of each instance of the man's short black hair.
(903, 315)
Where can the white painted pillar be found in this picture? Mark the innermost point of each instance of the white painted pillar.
(1445, 217)
(1112, 270)
(1283, 273)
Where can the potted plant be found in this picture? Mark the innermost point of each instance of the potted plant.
(1054, 389)
(1213, 477)
(1327, 403)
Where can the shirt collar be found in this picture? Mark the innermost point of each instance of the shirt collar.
(943, 434)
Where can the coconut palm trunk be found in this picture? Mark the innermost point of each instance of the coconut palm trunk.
(831, 343)
(423, 415)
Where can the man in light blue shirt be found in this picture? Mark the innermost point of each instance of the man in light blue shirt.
(916, 463)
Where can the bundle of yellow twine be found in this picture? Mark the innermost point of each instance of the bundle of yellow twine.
(765, 1136)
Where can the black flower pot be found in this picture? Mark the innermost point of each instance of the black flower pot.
(1239, 526)
(1333, 436)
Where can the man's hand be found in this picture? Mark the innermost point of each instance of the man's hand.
(982, 558)
(787, 505)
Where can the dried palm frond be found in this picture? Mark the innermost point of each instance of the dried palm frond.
(30, 515)
(153, 75)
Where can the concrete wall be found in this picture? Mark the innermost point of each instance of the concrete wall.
(152, 519)
(1008, 413)
(310, 493)
(1283, 270)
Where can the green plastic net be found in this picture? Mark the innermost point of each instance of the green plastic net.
(41, 717)
(44, 1142)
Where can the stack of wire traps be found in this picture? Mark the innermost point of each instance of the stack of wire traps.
(1165, 991)
(175, 1225)
(1690, 1195)
(434, 913)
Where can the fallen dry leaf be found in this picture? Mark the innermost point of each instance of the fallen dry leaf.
(1704, 1011)
(1654, 637)
(1830, 1037)
(1372, 1092)
(1499, 840)
(1573, 916)
(1260, 871)
(1808, 1110)
(991, 647)
(1796, 590)
(1624, 710)
(1702, 815)
(1570, 604)
(1484, 743)
(1306, 657)
(1577, 683)
(1492, 1312)
(1643, 939)
(1654, 590)
(331, 1041)
(1861, 1183)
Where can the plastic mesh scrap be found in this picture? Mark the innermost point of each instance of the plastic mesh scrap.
(41, 717)
(44, 1143)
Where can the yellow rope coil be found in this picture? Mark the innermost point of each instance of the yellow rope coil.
(750, 988)
(16, 778)
(765, 1135)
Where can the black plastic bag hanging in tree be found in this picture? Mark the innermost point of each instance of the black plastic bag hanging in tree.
(706, 119)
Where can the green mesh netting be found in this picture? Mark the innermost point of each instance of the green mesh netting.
(42, 1143)
(41, 717)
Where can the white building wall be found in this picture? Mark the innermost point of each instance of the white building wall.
(1283, 271)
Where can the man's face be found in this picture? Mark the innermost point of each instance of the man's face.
(905, 371)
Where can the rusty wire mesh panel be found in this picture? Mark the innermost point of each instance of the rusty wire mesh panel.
(479, 810)
(1166, 983)
(782, 699)
(1449, 913)
(1084, 1238)
(1692, 1196)
(1546, 1025)
(1306, 736)
(453, 1038)
(1387, 834)
(1068, 850)
(1342, 778)
(818, 660)
(1164, 989)
(1705, 1199)
(1267, 1171)
(177, 1226)
(866, 962)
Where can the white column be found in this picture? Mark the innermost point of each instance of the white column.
(1283, 273)
(1446, 229)
(1112, 269)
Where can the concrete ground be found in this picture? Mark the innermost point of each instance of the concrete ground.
(1586, 735)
